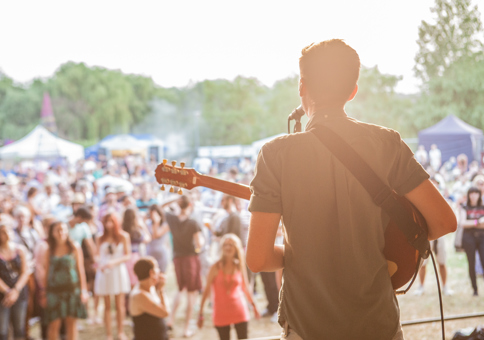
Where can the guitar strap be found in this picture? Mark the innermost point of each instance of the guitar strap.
(382, 194)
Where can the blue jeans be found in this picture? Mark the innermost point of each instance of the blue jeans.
(17, 314)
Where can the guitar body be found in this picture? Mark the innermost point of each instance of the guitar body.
(398, 250)
(402, 258)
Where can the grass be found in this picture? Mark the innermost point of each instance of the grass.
(412, 307)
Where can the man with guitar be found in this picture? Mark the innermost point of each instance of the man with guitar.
(336, 282)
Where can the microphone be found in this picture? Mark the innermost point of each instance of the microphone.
(297, 113)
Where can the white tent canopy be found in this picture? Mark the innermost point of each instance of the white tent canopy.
(258, 144)
(40, 143)
(123, 142)
(225, 151)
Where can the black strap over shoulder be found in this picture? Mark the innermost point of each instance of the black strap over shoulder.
(382, 194)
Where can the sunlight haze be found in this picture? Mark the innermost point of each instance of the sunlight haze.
(183, 41)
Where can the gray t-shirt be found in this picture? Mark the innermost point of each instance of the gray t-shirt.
(336, 283)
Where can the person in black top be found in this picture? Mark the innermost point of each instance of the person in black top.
(472, 220)
(147, 301)
(187, 243)
(14, 274)
(231, 224)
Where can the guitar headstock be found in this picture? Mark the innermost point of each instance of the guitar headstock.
(176, 177)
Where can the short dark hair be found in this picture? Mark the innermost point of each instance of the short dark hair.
(234, 170)
(143, 266)
(83, 213)
(330, 70)
(184, 202)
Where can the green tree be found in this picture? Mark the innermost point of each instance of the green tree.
(283, 98)
(144, 90)
(6, 83)
(231, 111)
(459, 91)
(19, 112)
(92, 102)
(377, 102)
(457, 32)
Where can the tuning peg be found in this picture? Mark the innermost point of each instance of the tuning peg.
(162, 188)
(172, 190)
(182, 164)
(180, 192)
(165, 161)
(173, 163)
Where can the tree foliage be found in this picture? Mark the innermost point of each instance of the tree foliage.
(450, 61)
(457, 32)
(19, 108)
(94, 102)
(377, 102)
(232, 112)
(459, 91)
(91, 102)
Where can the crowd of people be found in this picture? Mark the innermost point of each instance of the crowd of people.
(98, 231)
(103, 230)
(462, 184)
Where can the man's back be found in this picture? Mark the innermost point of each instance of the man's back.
(182, 231)
(336, 282)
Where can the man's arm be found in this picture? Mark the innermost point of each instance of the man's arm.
(438, 214)
(233, 225)
(262, 254)
(198, 241)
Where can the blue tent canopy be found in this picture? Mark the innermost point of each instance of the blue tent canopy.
(453, 137)
(93, 150)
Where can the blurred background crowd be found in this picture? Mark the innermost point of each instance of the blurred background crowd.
(70, 236)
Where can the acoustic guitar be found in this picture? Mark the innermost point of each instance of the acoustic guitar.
(403, 259)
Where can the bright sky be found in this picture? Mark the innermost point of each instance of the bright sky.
(178, 41)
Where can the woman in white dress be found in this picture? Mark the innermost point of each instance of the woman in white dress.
(112, 275)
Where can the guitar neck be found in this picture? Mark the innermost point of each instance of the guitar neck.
(230, 188)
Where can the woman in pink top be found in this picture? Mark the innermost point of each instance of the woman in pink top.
(228, 281)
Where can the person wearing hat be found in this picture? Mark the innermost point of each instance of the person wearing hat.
(85, 187)
(48, 199)
(478, 182)
(110, 204)
(63, 211)
(77, 201)
(121, 192)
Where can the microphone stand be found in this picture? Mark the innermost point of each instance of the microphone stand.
(297, 126)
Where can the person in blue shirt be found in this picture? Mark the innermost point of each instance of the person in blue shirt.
(147, 199)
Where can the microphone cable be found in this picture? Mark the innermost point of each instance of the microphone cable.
(440, 296)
